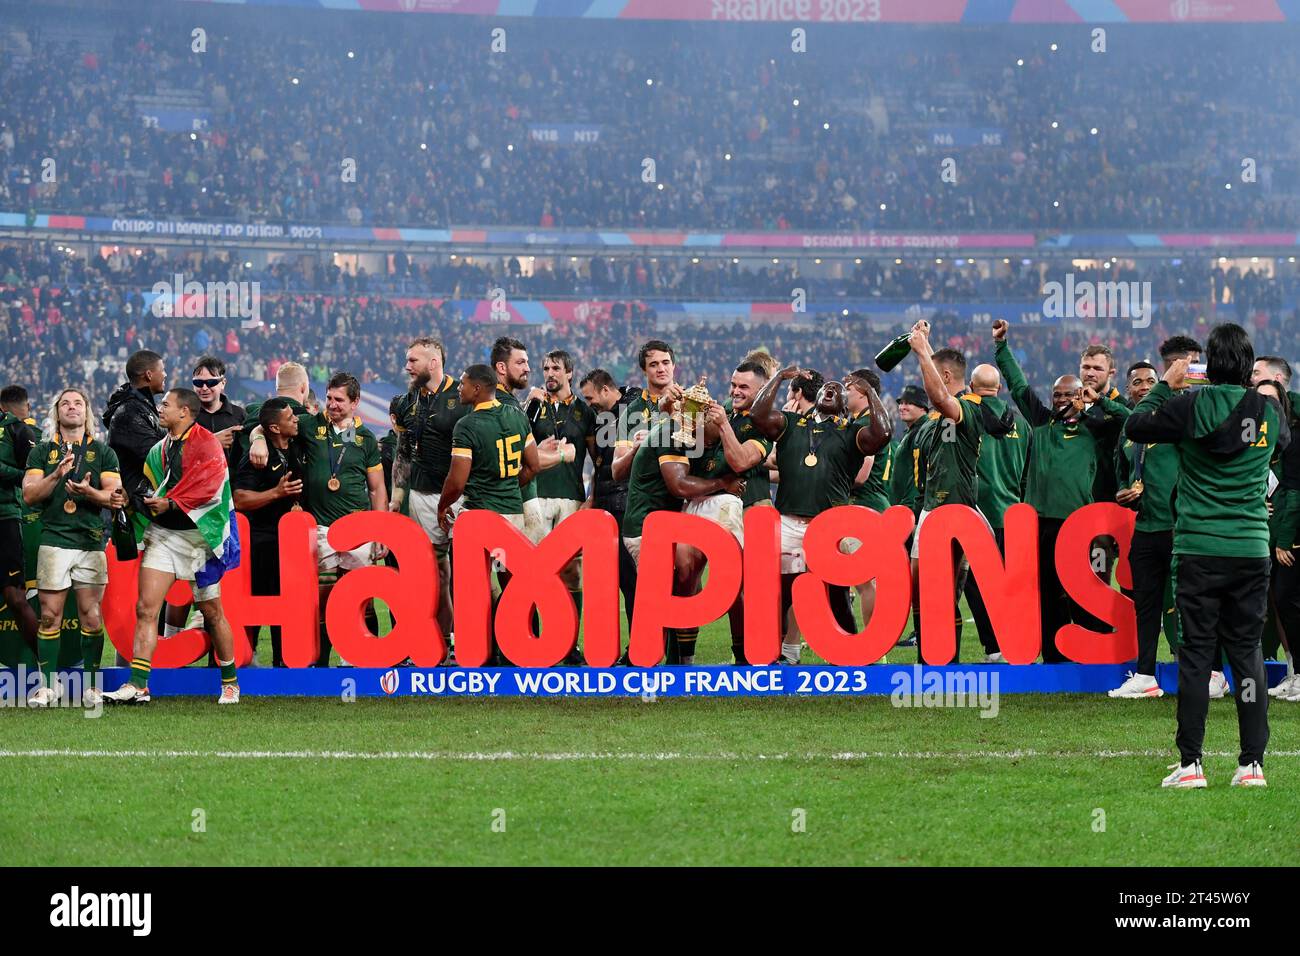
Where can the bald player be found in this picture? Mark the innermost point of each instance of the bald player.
(1061, 474)
(1001, 484)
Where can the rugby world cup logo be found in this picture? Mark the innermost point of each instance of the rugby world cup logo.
(388, 682)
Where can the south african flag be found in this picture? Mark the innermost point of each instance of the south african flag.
(200, 487)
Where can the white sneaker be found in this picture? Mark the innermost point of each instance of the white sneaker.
(128, 693)
(1218, 685)
(1286, 686)
(1190, 777)
(995, 658)
(1293, 694)
(229, 694)
(1251, 775)
(46, 696)
(1137, 686)
(90, 697)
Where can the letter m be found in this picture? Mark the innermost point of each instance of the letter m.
(534, 582)
(1113, 300)
(226, 297)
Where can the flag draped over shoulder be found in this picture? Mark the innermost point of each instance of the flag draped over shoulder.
(202, 491)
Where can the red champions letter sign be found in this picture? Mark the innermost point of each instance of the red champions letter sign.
(295, 609)
(484, 536)
(656, 605)
(882, 556)
(1010, 587)
(414, 606)
(1079, 560)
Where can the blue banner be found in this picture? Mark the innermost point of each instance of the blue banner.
(909, 685)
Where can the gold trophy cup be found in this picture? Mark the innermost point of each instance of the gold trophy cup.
(694, 400)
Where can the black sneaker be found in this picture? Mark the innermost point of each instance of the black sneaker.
(909, 641)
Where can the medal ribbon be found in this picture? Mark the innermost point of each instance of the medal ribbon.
(819, 435)
(342, 446)
(1139, 460)
(78, 456)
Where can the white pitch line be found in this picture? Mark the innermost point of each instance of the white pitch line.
(507, 755)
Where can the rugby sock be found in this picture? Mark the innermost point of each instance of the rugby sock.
(228, 675)
(791, 651)
(92, 652)
(170, 630)
(140, 669)
(737, 621)
(575, 655)
(325, 646)
(47, 653)
(686, 638)
(372, 618)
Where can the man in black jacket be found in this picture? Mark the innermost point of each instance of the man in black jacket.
(132, 421)
(218, 414)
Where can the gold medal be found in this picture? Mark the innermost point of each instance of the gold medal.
(810, 460)
(333, 484)
(296, 507)
(70, 506)
(1137, 486)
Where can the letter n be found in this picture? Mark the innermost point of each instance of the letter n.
(1009, 587)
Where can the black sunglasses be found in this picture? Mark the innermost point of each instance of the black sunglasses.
(206, 382)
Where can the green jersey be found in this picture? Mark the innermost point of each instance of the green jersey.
(817, 460)
(507, 397)
(874, 492)
(905, 476)
(646, 489)
(643, 412)
(951, 452)
(1159, 473)
(83, 529)
(15, 445)
(1283, 526)
(758, 485)
(332, 453)
(1225, 436)
(1002, 465)
(425, 420)
(574, 421)
(1067, 452)
(493, 437)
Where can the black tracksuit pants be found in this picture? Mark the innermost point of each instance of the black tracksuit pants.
(1223, 602)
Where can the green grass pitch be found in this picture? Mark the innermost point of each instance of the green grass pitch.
(1051, 780)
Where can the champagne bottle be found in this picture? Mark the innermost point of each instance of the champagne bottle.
(893, 353)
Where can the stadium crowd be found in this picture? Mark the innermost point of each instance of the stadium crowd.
(73, 319)
(742, 136)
